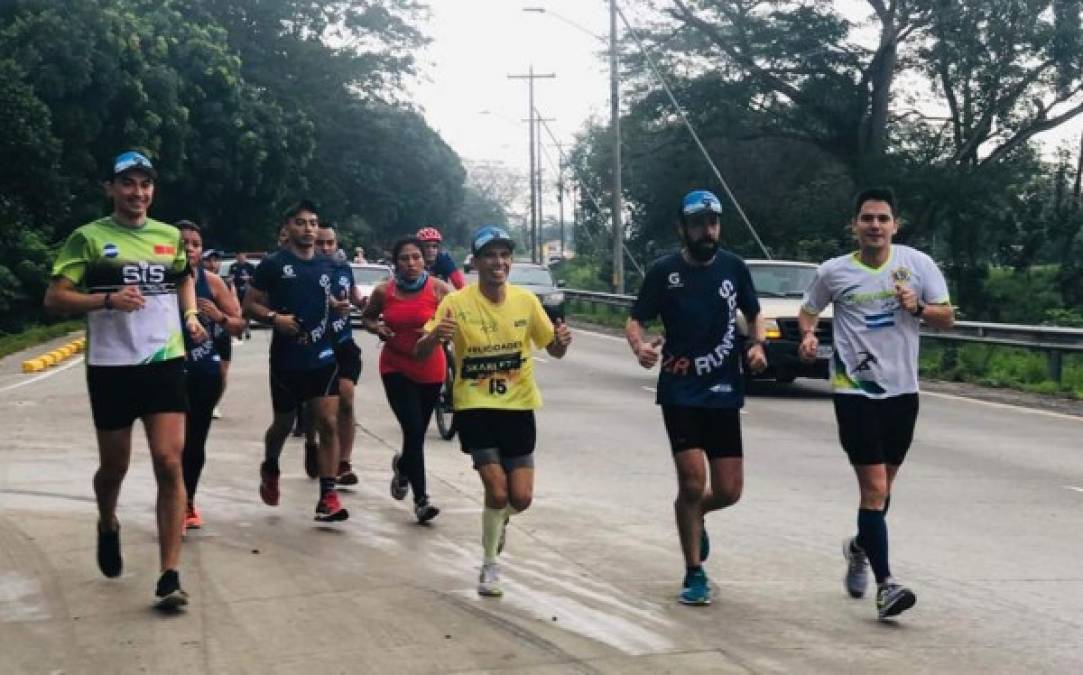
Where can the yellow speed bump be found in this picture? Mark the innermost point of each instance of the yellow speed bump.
(39, 363)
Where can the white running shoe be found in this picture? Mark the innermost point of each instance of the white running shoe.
(489, 580)
(857, 569)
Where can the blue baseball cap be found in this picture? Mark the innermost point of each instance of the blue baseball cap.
(488, 234)
(133, 161)
(699, 201)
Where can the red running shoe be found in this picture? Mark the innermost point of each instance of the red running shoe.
(329, 508)
(193, 519)
(268, 485)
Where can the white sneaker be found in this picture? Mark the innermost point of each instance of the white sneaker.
(216, 413)
(489, 580)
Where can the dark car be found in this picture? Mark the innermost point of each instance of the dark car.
(538, 280)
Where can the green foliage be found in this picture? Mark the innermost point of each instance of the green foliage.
(580, 273)
(996, 366)
(35, 335)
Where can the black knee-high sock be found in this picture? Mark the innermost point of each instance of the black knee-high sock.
(872, 538)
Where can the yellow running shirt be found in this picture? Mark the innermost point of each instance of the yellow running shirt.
(493, 365)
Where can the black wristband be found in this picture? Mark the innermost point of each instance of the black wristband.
(107, 303)
(920, 309)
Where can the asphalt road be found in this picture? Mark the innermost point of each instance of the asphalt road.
(985, 526)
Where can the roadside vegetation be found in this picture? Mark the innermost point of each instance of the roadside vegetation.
(35, 335)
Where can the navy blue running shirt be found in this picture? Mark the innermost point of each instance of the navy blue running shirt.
(443, 267)
(342, 289)
(298, 287)
(701, 357)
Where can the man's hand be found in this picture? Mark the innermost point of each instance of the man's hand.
(649, 353)
(210, 310)
(756, 358)
(562, 335)
(127, 299)
(807, 349)
(287, 324)
(195, 329)
(340, 307)
(906, 296)
(445, 330)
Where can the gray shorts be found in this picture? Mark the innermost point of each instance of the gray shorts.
(485, 456)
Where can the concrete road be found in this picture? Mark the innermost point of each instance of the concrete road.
(985, 526)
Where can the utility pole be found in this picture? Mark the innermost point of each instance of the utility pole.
(530, 77)
(614, 112)
(560, 200)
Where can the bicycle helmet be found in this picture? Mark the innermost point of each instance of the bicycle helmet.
(429, 234)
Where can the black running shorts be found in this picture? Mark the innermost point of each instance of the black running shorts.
(717, 431)
(348, 358)
(511, 432)
(876, 431)
(290, 388)
(119, 395)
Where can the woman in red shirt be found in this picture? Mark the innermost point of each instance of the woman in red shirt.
(397, 311)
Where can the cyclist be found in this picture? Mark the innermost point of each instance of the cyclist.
(438, 263)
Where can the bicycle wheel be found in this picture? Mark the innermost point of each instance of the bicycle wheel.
(445, 419)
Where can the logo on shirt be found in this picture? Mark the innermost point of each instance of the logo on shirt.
(325, 281)
(110, 250)
(163, 249)
(901, 274)
(520, 323)
(674, 280)
(143, 273)
(288, 273)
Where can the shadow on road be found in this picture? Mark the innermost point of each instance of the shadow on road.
(797, 389)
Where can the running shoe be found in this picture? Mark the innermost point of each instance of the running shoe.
(216, 413)
(268, 485)
(400, 484)
(696, 590)
(346, 476)
(425, 511)
(893, 599)
(312, 461)
(169, 595)
(109, 560)
(489, 580)
(704, 544)
(329, 508)
(857, 568)
(193, 519)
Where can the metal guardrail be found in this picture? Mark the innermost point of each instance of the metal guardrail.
(1054, 340)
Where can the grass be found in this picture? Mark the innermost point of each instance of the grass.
(613, 317)
(1003, 367)
(35, 335)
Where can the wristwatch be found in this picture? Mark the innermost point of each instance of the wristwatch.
(920, 309)
(270, 318)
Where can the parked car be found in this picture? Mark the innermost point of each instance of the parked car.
(780, 285)
(366, 276)
(538, 280)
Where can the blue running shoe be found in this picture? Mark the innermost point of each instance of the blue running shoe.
(704, 544)
(696, 590)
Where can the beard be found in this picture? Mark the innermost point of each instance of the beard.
(702, 250)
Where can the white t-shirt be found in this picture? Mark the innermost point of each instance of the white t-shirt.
(876, 340)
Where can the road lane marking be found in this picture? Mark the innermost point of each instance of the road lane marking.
(37, 378)
(1002, 406)
(650, 389)
(541, 360)
(1072, 487)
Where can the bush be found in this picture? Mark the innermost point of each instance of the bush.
(1005, 367)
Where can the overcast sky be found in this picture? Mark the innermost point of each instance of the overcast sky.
(478, 43)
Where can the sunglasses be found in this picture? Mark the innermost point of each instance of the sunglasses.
(875, 218)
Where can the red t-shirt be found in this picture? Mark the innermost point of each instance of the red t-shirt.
(407, 316)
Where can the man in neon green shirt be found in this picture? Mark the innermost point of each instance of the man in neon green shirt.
(129, 275)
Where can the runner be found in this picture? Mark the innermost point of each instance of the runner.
(220, 314)
(880, 293)
(241, 273)
(698, 292)
(397, 311)
(291, 291)
(223, 341)
(347, 353)
(129, 275)
(438, 263)
(492, 325)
